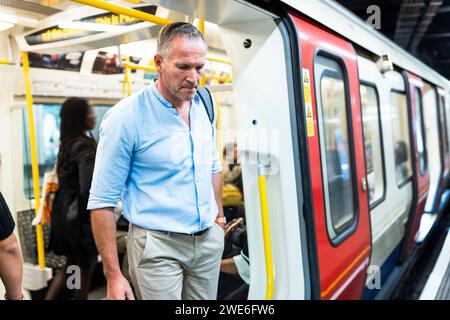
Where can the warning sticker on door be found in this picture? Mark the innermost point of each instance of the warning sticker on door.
(308, 103)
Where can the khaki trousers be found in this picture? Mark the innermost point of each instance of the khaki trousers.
(166, 265)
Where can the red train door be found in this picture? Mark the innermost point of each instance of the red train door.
(419, 153)
(336, 151)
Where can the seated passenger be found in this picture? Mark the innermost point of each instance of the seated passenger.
(235, 266)
(232, 172)
(232, 193)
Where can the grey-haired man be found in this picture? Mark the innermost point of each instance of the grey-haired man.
(157, 150)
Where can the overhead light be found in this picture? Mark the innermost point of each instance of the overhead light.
(5, 26)
(7, 21)
(6, 17)
(90, 26)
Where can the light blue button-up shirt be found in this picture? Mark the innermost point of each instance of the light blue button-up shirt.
(160, 168)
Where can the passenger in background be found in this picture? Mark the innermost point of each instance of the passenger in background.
(11, 262)
(71, 233)
(232, 172)
(234, 279)
(233, 193)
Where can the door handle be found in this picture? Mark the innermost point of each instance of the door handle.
(364, 184)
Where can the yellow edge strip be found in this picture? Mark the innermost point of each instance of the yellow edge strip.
(266, 235)
(112, 7)
(347, 270)
(34, 159)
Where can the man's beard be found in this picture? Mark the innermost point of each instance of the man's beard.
(184, 97)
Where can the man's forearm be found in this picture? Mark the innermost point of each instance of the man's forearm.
(217, 182)
(104, 228)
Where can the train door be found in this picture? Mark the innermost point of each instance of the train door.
(436, 166)
(386, 133)
(336, 150)
(421, 176)
(443, 140)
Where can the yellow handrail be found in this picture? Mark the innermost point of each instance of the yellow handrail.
(4, 61)
(116, 8)
(201, 16)
(201, 25)
(126, 78)
(218, 128)
(226, 79)
(34, 159)
(266, 236)
(138, 67)
(218, 60)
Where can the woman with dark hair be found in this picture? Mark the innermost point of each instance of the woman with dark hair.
(71, 233)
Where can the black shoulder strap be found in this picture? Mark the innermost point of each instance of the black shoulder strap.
(206, 97)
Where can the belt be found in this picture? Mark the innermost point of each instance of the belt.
(196, 234)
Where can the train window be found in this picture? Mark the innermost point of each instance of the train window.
(372, 142)
(47, 122)
(400, 132)
(443, 117)
(420, 132)
(335, 148)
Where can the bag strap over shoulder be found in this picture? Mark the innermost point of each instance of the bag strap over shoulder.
(205, 96)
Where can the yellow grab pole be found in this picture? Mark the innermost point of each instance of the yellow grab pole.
(138, 67)
(34, 159)
(201, 25)
(126, 78)
(226, 79)
(116, 8)
(202, 80)
(201, 16)
(219, 129)
(4, 61)
(266, 236)
(218, 60)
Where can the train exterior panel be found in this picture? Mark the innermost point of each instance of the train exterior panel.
(343, 246)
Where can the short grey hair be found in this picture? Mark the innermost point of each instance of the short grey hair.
(173, 30)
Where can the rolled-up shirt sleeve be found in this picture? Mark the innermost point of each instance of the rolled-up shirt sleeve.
(217, 165)
(112, 161)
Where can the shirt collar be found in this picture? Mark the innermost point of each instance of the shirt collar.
(164, 102)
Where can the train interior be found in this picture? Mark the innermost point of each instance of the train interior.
(251, 94)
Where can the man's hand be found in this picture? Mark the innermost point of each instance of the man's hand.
(118, 288)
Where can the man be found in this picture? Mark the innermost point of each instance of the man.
(157, 151)
(11, 263)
